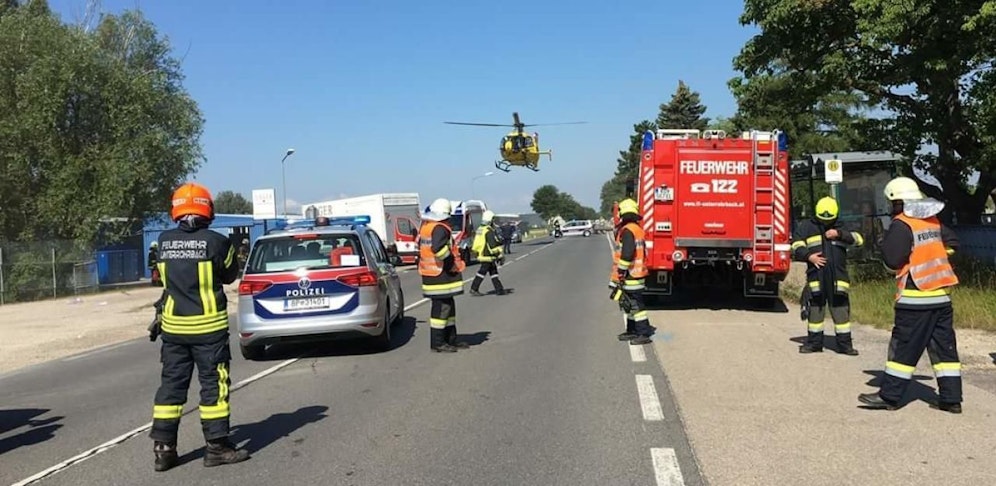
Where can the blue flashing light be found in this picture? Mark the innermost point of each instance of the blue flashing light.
(350, 220)
(783, 143)
(648, 140)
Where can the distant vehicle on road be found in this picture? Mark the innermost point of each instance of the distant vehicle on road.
(577, 227)
(317, 281)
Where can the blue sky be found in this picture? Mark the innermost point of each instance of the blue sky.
(360, 89)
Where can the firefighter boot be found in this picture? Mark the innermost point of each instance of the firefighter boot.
(451, 338)
(437, 341)
(222, 451)
(813, 344)
(876, 402)
(630, 331)
(166, 457)
(845, 345)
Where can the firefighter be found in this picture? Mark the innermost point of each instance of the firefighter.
(194, 263)
(822, 243)
(441, 269)
(153, 264)
(916, 246)
(629, 272)
(488, 248)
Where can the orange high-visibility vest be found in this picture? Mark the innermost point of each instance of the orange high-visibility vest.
(928, 266)
(429, 265)
(637, 268)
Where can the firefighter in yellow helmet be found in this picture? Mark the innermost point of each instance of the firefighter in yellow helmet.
(822, 242)
(628, 273)
(441, 268)
(916, 246)
(490, 252)
(194, 263)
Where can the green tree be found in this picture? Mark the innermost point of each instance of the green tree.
(685, 110)
(546, 201)
(940, 52)
(231, 202)
(627, 168)
(92, 124)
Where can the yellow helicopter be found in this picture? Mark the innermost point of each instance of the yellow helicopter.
(517, 148)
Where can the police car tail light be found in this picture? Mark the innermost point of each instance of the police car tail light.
(362, 279)
(253, 287)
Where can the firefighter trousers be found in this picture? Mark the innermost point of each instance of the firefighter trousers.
(487, 268)
(178, 361)
(442, 322)
(840, 312)
(915, 331)
(637, 321)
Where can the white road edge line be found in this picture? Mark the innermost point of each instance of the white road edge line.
(96, 351)
(636, 352)
(128, 435)
(666, 468)
(649, 402)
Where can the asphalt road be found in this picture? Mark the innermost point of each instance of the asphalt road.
(546, 395)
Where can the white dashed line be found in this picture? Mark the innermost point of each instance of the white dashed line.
(128, 435)
(666, 468)
(649, 402)
(636, 352)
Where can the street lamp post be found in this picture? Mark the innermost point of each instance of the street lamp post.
(283, 175)
(486, 174)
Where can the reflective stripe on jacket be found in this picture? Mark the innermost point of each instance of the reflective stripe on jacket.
(439, 263)
(631, 259)
(929, 269)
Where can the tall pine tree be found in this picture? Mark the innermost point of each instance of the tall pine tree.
(685, 110)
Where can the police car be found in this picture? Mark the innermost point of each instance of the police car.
(320, 280)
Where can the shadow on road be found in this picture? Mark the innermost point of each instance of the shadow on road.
(401, 334)
(916, 390)
(829, 341)
(475, 339)
(703, 301)
(993, 356)
(40, 429)
(265, 432)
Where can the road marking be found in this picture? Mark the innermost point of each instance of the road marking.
(132, 433)
(636, 352)
(649, 402)
(96, 351)
(666, 468)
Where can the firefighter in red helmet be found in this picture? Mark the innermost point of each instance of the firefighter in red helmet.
(194, 263)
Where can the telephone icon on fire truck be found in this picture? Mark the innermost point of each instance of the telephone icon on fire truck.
(718, 186)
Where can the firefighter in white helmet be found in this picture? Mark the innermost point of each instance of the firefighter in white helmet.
(916, 246)
(441, 269)
(490, 252)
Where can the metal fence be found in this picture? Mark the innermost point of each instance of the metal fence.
(45, 269)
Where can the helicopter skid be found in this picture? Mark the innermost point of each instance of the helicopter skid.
(502, 165)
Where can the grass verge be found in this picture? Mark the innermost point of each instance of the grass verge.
(873, 290)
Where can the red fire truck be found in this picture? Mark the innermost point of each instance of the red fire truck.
(715, 210)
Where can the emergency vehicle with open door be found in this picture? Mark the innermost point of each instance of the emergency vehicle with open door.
(715, 210)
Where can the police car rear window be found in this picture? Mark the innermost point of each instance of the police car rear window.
(312, 252)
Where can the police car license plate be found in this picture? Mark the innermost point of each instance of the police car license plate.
(308, 303)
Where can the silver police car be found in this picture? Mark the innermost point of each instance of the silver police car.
(316, 281)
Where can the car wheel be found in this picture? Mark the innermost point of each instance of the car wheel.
(586, 233)
(401, 308)
(383, 341)
(252, 353)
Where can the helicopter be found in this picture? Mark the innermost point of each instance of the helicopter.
(518, 149)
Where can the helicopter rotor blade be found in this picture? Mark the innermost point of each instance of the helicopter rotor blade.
(479, 124)
(551, 124)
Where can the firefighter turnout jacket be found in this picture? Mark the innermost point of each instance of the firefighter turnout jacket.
(439, 263)
(487, 244)
(194, 263)
(810, 238)
(918, 250)
(629, 256)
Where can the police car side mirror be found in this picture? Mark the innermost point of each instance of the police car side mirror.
(396, 260)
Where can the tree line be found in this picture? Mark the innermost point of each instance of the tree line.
(915, 78)
(94, 123)
(549, 202)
